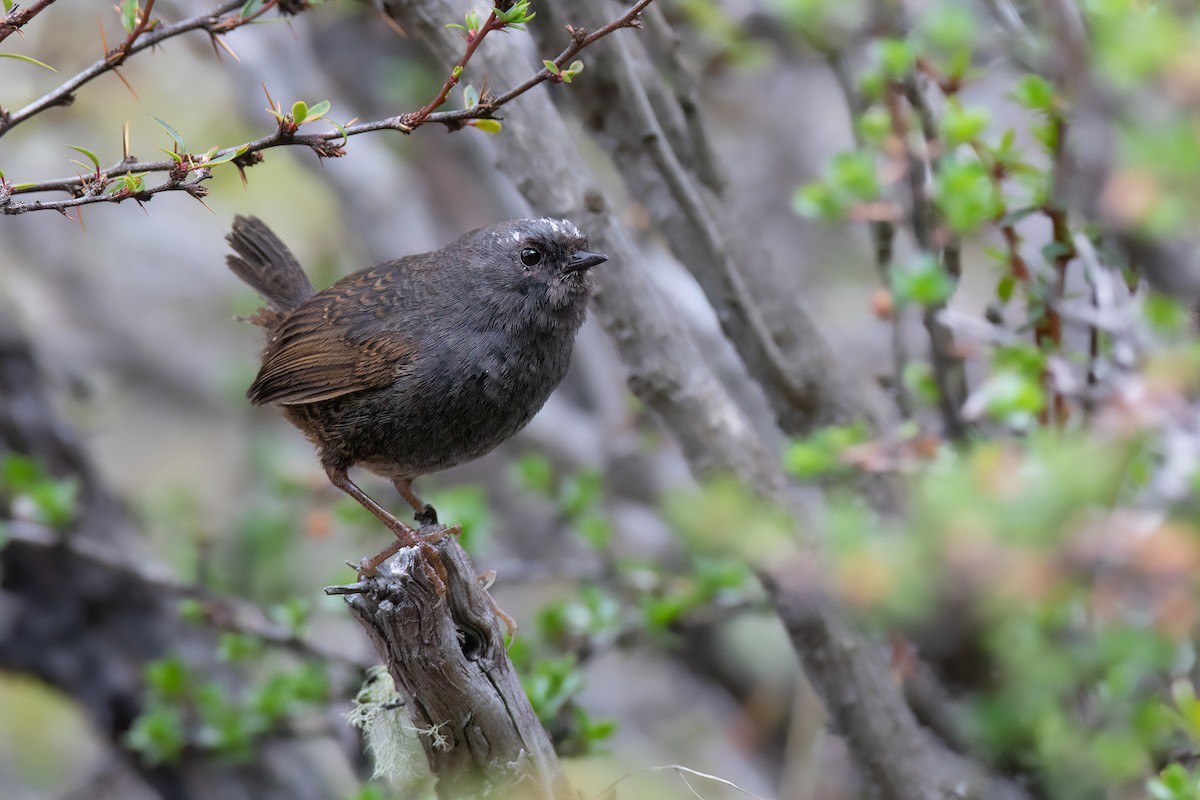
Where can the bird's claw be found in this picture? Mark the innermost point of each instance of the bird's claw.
(427, 517)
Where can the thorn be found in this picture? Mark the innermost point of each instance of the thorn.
(200, 200)
(393, 24)
(125, 140)
(220, 40)
(117, 72)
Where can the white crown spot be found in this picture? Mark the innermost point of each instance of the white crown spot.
(560, 226)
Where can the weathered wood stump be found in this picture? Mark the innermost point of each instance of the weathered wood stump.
(448, 659)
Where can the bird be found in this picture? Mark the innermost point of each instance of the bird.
(419, 363)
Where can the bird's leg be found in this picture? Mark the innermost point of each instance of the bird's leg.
(426, 514)
(341, 479)
(406, 536)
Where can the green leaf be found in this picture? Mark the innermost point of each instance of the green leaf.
(874, 124)
(580, 492)
(167, 678)
(299, 111)
(8, 4)
(659, 613)
(1164, 314)
(293, 615)
(534, 472)
(91, 156)
(965, 194)
(225, 157)
(807, 460)
(132, 183)
(963, 125)
(175, 156)
(515, 16)
(923, 281)
(1013, 397)
(470, 97)
(551, 67)
(487, 125)
(595, 530)
(158, 735)
(233, 647)
(129, 14)
(250, 8)
(337, 126)
(896, 56)
(20, 57)
(821, 453)
(174, 134)
(949, 28)
(1005, 287)
(317, 111)
(1035, 93)
(191, 610)
(853, 174)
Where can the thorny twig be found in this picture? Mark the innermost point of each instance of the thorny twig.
(91, 189)
(15, 19)
(218, 20)
(474, 39)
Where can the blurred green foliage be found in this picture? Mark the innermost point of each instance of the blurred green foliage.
(226, 711)
(1048, 527)
(30, 492)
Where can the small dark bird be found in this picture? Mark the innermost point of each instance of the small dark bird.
(418, 364)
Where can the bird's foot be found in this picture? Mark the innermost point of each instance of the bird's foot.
(435, 570)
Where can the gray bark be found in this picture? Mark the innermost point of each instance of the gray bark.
(449, 661)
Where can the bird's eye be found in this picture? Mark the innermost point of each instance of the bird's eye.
(531, 256)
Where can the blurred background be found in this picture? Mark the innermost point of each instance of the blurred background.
(638, 647)
(132, 317)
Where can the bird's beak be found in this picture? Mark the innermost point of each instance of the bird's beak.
(584, 260)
